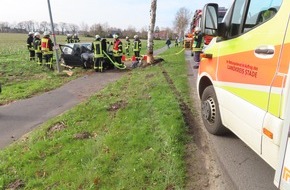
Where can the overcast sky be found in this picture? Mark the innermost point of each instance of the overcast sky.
(116, 13)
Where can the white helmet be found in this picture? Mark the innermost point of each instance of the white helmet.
(115, 36)
(136, 36)
(97, 36)
(46, 33)
(30, 33)
(197, 29)
(69, 35)
(127, 37)
(36, 34)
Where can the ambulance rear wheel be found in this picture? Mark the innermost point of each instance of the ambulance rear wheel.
(211, 113)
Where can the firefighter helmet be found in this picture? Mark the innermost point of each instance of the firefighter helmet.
(115, 36)
(46, 33)
(197, 29)
(36, 34)
(97, 37)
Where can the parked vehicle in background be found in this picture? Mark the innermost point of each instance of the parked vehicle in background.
(243, 79)
(196, 22)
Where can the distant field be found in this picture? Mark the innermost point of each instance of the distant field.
(21, 78)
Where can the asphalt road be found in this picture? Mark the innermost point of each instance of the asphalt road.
(244, 168)
(20, 117)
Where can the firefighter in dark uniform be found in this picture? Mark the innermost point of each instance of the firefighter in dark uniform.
(97, 48)
(37, 47)
(117, 49)
(137, 47)
(197, 46)
(30, 47)
(47, 49)
(76, 38)
(127, 45)
(69, 38)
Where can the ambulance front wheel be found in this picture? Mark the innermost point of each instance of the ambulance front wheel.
(211, 113)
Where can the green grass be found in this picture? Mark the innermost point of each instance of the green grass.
(136, 133)
(21, 78)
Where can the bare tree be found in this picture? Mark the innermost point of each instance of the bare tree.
(84, 27)
(44, 26)
(144, 32)
(130, 31)
(36, 26)
(28, 25)
(182, 20)
(73, 28)
(150, 57)
(20, 25)
(97, 29)
(62, 26)
(4, 26)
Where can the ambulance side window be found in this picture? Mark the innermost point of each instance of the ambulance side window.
(237, 16)
(260, 12)
(247, 16)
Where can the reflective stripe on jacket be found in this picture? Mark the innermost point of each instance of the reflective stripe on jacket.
(98, 50)
(36, 44)
(137, 45)
(117, 48)
(45, 46)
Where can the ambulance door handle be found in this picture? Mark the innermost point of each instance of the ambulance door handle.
(265, 52)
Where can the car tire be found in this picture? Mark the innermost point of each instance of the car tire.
(210, 112)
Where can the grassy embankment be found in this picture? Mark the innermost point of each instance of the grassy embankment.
(130, 135)
(21, 78)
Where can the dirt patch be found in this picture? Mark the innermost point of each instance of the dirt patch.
(17, 184)
(202, 170)
(83, 135)
(57, 127)
(118, 105)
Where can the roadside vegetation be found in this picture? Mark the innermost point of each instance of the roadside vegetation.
(130, 135)
(21, 78)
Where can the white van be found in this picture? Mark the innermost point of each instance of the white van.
(243, 78)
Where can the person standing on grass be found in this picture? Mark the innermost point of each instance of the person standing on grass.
(29, 43)
(137, 47)
(37, 47)
(76, 38)
(176, 42)
(117, 49)
(168, 42)
(69, 38)
(127, 45)
(47, 49)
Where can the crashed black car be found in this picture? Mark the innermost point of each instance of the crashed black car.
(81, 55)
(77, 55)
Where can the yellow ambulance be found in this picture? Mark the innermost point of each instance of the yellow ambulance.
(244, 78)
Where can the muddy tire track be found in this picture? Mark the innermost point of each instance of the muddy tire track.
(202, 172)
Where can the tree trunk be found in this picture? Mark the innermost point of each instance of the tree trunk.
(150, 44)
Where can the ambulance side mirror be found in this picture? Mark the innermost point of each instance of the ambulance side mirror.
(209, 19)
